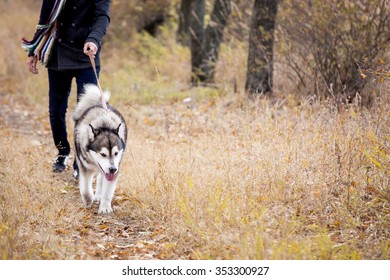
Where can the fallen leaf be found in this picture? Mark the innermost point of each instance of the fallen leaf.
(103, 226)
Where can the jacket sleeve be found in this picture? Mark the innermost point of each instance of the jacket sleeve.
(100, 22)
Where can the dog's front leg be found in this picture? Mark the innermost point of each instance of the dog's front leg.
(99, 186)
(108, 189)
(85, 185)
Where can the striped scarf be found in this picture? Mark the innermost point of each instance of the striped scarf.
(42, 42)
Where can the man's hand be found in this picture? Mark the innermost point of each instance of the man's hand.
(89, 46)
(32, 64)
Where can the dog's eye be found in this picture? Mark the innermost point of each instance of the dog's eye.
(116, 153)
(103, 154)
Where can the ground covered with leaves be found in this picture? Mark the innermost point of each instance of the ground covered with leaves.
(215, 178)
(41, 212)
(209, 173)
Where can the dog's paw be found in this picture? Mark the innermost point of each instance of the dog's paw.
(87, 201)
(105, 210)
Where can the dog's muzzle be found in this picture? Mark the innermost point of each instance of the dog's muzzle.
(113, 169)
(110, 176)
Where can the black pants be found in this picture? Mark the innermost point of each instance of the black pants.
(60, 83)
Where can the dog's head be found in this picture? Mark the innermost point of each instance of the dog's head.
(106, 149)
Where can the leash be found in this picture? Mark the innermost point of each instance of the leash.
(92, 58)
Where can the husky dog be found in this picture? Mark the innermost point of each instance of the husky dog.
(100, 139)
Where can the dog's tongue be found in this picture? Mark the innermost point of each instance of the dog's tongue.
(110, 176)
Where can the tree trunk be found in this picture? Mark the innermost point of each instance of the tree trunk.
(205, 44)
(261, 40)
(184, 22)
(196, 37)
(213, 38)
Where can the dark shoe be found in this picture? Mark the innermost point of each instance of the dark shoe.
(60, 163)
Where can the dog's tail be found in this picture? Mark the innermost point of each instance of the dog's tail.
(90, 97)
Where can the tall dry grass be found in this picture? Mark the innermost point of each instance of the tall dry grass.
(33, 204)
(225, 180)
(222, 176)
(260, 181)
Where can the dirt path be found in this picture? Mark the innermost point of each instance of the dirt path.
(117, 236)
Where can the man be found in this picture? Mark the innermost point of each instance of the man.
(81, 25)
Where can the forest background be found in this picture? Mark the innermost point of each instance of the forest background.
(296, 169)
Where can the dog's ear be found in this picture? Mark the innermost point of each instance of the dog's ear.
(94, 131)
(117, 129)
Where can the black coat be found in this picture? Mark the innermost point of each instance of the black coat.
(79, 22)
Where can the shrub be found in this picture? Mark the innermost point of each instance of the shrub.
(325, 43)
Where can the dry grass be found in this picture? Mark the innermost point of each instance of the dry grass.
(31, 204)
(255, 181)
(230, 179)
(221, 177)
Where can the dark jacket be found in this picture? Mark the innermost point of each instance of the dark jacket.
(79, 22)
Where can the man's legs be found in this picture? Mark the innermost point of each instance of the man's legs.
(59, 89)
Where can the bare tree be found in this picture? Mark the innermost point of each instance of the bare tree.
(261, 41)
(184, 22)
(336, 49)
(196, 37)
(205, 43)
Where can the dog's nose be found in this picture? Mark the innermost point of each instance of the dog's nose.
(112, 169)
